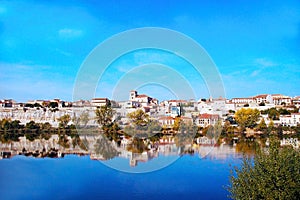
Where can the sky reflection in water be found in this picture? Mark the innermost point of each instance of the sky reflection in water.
(74, 177)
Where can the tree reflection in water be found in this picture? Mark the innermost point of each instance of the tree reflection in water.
(104, 148)
(99, 147)
(247, 146)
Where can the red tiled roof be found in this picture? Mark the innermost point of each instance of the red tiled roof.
(261, 96)
(276, 95)
(177, 101)
(166, 118)
(99, 99)
(182, 117)
(141, 96)
(208, 116)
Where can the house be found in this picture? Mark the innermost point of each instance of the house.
(175, 111)
(296, 101)
(290, 120)
(242, 100)
(142, 99)
(204, 107)
(177, 102)
(81, 103)
(263, 98)
(204, 120)
(2, 104)
(218, 106)
(166, 121)
(230, 106)
(7, 103)
(186, 120)
(279, 99)
(98, 102)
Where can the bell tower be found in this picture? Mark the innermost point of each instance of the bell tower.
(132, 95)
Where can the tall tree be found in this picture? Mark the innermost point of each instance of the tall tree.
(270, 126)
(176, 124)
(104, 115)
(262, 126)
(64, 120)
(273, 114)
(139, 117)
(82, 120)
(247, 117)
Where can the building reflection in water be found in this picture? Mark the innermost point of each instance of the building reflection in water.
(99, 147)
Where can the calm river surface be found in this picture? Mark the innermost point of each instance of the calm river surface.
(78, 177)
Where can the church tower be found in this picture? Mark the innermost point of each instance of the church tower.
(132, 95)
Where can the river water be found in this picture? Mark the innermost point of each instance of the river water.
(187, 176)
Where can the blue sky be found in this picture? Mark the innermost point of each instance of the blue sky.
(256, 46)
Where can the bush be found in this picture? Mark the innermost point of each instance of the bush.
(274, 174)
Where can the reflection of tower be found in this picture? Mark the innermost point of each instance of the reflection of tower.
(133, 162)
(175, 111)
(132, 95)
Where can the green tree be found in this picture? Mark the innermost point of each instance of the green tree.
(104, 149)
(46, 126)
(176, 124)
(227, 129)
(5, 124)
(137, 145)
(273, 114)
(262, 126)
(274, 174)
(53, 105)
(283, 111)
(247, 117)
(37, 105)
(215, 131)
(63, 141)
(32, 125)
(153, 127)
(64, 120)
(139, 117)
(279, 131)
(104, 116)
(16, 124)
(82, 120)
(270, 126)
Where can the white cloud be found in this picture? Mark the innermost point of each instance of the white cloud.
(65, 53)
(263, 62)
(255, 73)
(70, 33)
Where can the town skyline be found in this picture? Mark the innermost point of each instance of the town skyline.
(159, 100)
(255, 47)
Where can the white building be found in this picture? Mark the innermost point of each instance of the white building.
(166, 121)
(242, 100)
(290, 120)
(206, 119)
(98, 102)
(204, 107)
(296, 101)
(279, 99)
(263, 98)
